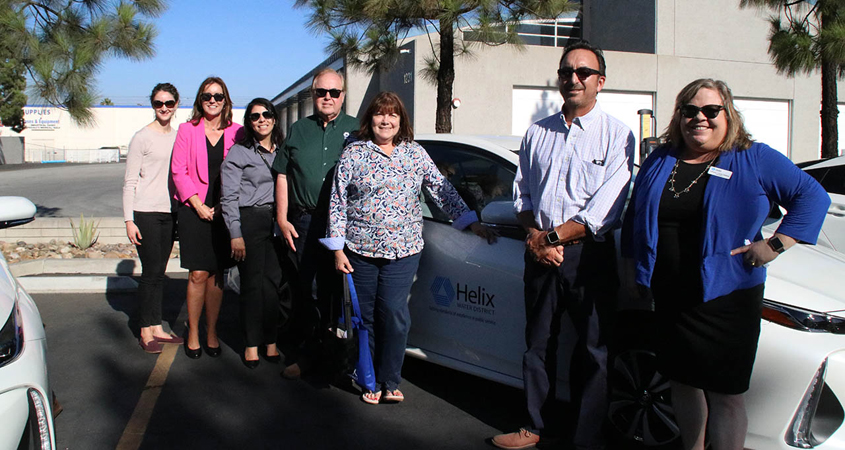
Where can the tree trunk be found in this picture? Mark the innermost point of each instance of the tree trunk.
(830, 111)
(445, 77)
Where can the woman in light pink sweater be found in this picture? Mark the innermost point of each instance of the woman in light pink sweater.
(147, 211)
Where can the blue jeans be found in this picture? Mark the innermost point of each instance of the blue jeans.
(383, 286)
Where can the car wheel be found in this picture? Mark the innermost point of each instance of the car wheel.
(641, 401)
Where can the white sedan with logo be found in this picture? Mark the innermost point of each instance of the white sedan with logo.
(25, 395)
(468, 313)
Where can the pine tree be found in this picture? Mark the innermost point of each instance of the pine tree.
(368, 32)
(61, 45)
(811, 38)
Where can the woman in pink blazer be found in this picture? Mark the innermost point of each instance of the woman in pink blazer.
(201, 144)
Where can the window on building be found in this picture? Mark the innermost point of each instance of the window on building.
(559, 32)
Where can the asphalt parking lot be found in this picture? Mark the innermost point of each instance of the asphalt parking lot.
(103, 380)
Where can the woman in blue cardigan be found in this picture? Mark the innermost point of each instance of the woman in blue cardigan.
(697, 208)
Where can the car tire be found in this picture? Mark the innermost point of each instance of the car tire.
(641, 401)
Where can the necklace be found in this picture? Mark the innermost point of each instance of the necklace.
(686, 189)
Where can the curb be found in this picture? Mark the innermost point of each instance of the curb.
(66, 276)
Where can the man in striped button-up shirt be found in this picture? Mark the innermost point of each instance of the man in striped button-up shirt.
(569, 192)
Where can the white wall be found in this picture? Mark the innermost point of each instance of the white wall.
(52, 128)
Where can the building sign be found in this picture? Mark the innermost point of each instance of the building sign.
(45, 118)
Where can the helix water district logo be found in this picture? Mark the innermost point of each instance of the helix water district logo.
(442, 291)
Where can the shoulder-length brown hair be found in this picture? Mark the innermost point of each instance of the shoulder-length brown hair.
(225, 116)
(737, 136)
(387, 103)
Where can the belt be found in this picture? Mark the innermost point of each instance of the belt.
(267, 206)
(297, 211)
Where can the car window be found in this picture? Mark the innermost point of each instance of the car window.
(478, 177)
(818, 174)
(834, 181)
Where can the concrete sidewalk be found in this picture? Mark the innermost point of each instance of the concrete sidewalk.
(75, 276)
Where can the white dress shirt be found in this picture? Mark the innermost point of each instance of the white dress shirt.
(580, 172)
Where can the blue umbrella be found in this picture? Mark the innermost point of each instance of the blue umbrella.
(364, 375)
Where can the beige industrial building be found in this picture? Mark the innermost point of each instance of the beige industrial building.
(652, 47)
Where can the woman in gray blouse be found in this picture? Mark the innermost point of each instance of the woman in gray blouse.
(248, 210)
(147, 211)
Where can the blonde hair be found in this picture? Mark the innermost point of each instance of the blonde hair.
(736, 137)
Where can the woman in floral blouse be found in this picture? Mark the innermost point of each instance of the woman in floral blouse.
(375, 214)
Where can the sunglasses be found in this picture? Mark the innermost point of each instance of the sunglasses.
(267, 115)
(158, 104)
(320, 92)
(582, 72)
(710, 111)
(206, 97)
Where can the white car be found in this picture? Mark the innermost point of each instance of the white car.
(25, 396)
(467, 309)
(831, 174)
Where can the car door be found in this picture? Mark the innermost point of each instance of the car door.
(832, 180)
(467, 303)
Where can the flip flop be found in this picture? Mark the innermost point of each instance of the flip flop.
(371, 398)
(394, 396)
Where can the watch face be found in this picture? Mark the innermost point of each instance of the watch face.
(552, 237)
(776, 244)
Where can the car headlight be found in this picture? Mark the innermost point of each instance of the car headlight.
(802, 319)
(11, 337)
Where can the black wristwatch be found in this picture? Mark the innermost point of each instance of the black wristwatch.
(776, 245)
(552, 238)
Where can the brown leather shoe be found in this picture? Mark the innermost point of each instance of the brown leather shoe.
(516, 440)
(292, 372)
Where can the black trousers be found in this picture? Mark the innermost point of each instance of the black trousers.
(261, 275)
(318, 283)
(156, 243)
(585, 286)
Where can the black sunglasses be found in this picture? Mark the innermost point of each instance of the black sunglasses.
(158, 104)
(320, 92)
(267, 115)
(206, 97)
(710, 111)
(582, 72)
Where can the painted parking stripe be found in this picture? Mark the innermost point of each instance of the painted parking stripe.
(133, 434)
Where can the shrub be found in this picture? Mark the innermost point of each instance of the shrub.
(86, 235)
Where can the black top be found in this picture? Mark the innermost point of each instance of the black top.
(215, 160)
(677, 271)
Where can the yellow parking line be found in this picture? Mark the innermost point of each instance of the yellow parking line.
(133, 434)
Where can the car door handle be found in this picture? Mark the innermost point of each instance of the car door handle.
(837, 210)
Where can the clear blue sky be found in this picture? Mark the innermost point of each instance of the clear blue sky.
(258, 47)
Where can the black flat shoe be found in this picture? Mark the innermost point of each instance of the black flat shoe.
(193, 354)
(213, 351)
(250, 364)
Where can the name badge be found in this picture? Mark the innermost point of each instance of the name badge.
(721, 173)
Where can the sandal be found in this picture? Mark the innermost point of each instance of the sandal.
(393, 396)
(371, 397)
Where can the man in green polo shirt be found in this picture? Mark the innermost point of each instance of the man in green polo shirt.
(306, 168)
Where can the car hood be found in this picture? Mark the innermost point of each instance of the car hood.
(808, 276)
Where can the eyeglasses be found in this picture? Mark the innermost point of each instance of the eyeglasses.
(582, 72)
(158, 104)
(206, 97)
(267, 115)
(710, 111)
(320, 92)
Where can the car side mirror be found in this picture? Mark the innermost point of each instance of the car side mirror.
(499, 213)
(16, 211)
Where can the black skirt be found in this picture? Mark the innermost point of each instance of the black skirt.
(709, 345)
(203, 245)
